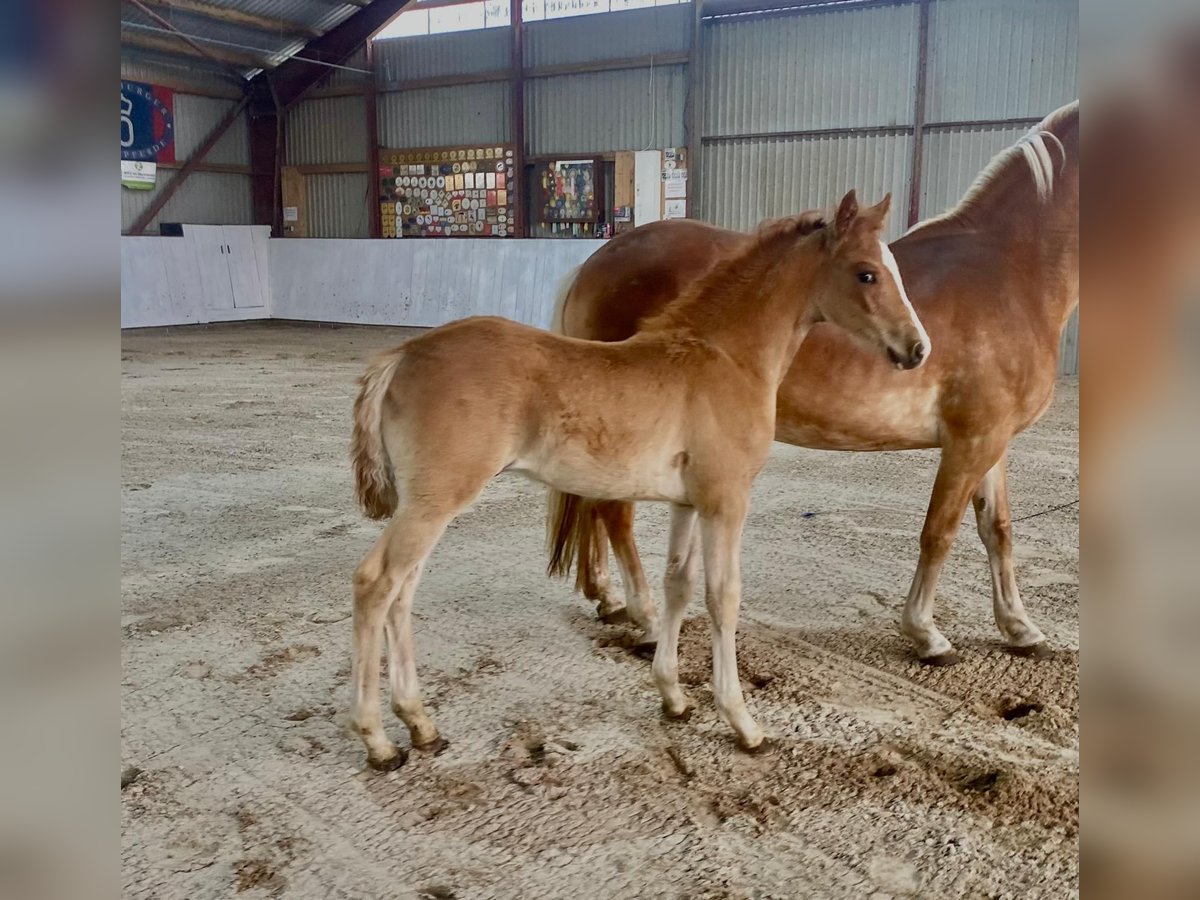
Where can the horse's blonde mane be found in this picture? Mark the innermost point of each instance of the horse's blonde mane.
(1033, 149)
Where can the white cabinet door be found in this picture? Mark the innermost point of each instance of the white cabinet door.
(213, 263)
(248, 290)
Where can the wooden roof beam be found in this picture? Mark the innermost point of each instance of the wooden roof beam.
(172, 46)
(231, 16)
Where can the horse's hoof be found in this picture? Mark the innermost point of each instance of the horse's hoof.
(391, 764)
(942, 660)
(1040, 650)
(645, 649)
(762, 748)
(436, 747)
(615, 617)
(677, 717)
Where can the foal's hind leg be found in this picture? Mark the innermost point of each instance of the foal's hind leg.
(682, 558)
(592, 568)
(995, 530)
(618, 522)
(402, 670)
(388, 574)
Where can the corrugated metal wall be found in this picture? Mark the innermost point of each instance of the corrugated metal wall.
(458, 114)
(800, 73)
(1000, 59)
(829, 71)
(438, 55)
(626, 109)
(327, 130)
(207, 198)
(339, 206)
(641, 32)
(746, 181)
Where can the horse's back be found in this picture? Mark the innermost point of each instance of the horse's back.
(636, 274)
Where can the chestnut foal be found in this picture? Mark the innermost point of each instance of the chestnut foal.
(684, 412)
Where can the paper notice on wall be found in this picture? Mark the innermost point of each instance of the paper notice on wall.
(675, 184)
(138, 175)
(291, 214)
(676, 209)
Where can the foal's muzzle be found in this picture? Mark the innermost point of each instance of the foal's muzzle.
(911, 358)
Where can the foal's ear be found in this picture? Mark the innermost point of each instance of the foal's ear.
(846, 214)
(878, 213)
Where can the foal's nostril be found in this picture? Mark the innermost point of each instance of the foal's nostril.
(916, 353)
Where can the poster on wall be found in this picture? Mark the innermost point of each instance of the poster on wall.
(147, 132)
(447, 192)
(569, 191)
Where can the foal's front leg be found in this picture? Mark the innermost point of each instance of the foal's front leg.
(721, 534)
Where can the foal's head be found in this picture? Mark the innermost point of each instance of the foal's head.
(858, 285)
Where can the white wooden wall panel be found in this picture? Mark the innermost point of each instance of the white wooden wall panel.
(422, 283)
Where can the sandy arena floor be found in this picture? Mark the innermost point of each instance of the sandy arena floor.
(239, 538)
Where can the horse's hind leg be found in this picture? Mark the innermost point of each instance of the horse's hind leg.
(961, 468)
(618, 522)
(995, 530)
(388, 575)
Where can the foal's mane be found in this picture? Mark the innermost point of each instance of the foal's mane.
(1032, 150)
(736, 273)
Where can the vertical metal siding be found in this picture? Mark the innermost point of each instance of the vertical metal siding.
(995, 59)
(461, 114)
(196, 117)
(641, 32)
(748, 181)
(339, 206)
(813, 71)
(630, 109)
(344, 78)
(953, 157)
(327, 130)
(207, 198)
(435, 55)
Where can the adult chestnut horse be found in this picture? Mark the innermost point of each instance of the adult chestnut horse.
(994, 281)
(683, 411)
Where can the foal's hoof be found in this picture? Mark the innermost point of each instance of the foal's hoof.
(683, 716)
(762, 748)
(436, 747)
(391, 764)
(942, 660)
(1040, 650)
(615, 617)
(645, 649)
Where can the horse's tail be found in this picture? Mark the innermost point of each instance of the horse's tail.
(374, 478)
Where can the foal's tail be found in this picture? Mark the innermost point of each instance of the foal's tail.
(570, 521)
(374, 479)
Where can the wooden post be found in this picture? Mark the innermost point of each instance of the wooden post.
(517, 102)
(918, 145)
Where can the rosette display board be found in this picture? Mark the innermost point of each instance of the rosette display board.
(447, 192)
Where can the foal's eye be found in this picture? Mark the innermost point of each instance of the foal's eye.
(866, 277)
